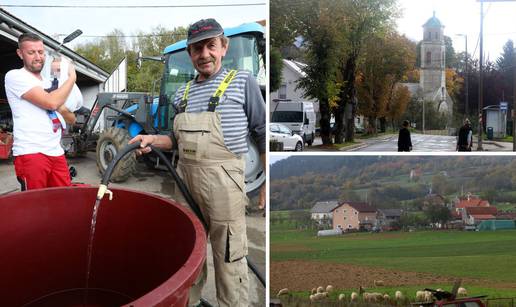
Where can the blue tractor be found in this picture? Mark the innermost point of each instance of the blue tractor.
(130, 114)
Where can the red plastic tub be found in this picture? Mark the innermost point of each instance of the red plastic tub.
(6, 145)
(147, 251)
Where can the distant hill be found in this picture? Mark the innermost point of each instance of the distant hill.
(298, 182)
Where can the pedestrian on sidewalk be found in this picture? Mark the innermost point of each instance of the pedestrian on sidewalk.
(465, 137)
(404, 140)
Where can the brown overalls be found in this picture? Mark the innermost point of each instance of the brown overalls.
(215, 177)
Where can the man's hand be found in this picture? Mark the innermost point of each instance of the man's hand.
(71, 72)
(145, 140)
(262, 197)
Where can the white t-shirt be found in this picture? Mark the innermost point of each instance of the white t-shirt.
(33, 131)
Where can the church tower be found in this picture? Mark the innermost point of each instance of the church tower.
(432, 79)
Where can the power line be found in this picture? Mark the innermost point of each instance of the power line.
(131, 6)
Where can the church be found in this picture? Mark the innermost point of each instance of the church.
(432, 72)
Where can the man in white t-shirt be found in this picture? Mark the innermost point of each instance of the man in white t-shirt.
(39, 159)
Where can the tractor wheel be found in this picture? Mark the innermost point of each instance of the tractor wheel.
(110, 142)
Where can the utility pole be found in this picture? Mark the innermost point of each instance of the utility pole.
(481, 77)
(514, 106)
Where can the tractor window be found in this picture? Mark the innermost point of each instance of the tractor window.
(242, 54)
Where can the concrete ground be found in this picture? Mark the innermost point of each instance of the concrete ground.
(161, 183)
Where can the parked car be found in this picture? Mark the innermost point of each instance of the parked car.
(299, 116)
(281, 133)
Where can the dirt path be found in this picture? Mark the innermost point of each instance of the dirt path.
(305, 275)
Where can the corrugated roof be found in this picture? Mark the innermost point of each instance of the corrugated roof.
(88, 68)
(324, 206)
(472, 202)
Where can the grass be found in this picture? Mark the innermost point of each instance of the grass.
(484, 255)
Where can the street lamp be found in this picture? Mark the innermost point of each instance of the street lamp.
(466, 111)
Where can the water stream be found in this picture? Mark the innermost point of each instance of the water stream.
(90, 247)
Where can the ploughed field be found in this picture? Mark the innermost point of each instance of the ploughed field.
(405, 261)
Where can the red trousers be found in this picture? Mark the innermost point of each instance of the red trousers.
(36, 171)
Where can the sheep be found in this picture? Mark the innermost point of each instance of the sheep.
(329, 288)
(420, 296)
(342, 296)
(386, 297)
(379, 283)
(462, 292)
(314, 291)
(398, 295)
(320, 296)
(354, 296)
(320, 289)
(428, 296)
(283, 291)
(312, 298)
(372, 297)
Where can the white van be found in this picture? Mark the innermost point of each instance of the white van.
(299, 116)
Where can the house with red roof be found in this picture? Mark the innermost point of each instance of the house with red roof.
(354, 216)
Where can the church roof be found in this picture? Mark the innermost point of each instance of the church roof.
(433, 22)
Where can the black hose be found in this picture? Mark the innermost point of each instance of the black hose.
(180, 183)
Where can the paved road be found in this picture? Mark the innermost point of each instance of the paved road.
(420, 142)
(158, 182)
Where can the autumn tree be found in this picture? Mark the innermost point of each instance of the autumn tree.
(361, 20)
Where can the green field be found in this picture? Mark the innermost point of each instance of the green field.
(489, 257)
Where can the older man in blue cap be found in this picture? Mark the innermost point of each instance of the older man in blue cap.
(216, 111)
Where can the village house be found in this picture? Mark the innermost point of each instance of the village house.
(354, 216)
(388, 218)
(322, 213)
(472, 209)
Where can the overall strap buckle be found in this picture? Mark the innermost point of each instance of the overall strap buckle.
(214, 100)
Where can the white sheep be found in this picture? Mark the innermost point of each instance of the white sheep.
(314, 291)
(342, 296)
(379, 283)
(386, 297)
(420, 296)
(329, 288)
(320, 296)
(354, 296)
(320, 289)
(428, 296)
(462, 292)
(312, 298)
(398, 295)
(283, 291)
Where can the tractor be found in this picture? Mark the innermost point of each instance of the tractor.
(130, 114)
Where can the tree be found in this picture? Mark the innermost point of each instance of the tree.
(362, 19)
(106, 52)
(276, 63)
(321, 45)
(437, 214)
(386, 60)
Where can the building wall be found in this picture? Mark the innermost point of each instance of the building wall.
(346, 217)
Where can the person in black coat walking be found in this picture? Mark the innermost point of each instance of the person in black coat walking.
(465, 137)
(404, 141)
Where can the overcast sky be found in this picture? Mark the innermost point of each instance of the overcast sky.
(102, 21)
(462, 16)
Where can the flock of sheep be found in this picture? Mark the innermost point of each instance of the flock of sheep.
(320, 293)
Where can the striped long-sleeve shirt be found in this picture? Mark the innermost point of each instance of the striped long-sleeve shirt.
(241, 108)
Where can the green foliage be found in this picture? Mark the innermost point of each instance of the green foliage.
(107, 53)
(276, 63)
(299, 182)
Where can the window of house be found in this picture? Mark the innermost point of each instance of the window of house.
(282, 92)
(356, 212)
(436, 35)
(349, 225)
(428, 58)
